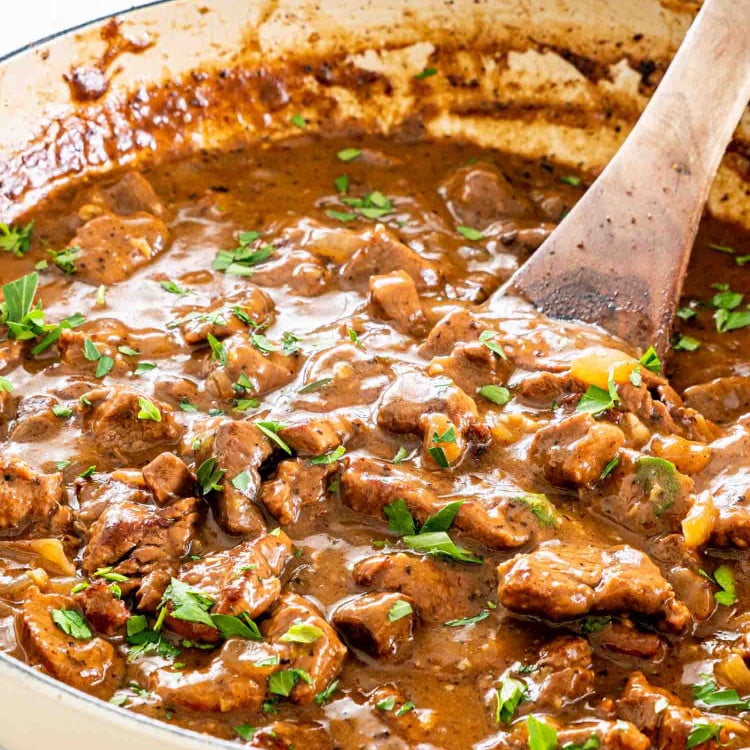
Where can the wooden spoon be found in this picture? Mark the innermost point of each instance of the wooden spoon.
(619, 257)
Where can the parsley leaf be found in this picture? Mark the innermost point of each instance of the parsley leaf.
(473, 235)
(174, 288)
(497, 394)
(218, 352)
(283, 682)
(443, 519)
(570, 180)
(708, 693)
(401, 454)
(541, 735)
(438, 543)
(650, 360)
(399, 610)
(326, 694)
(244, 731)
(302, 632)
(426, 73)
(685, 343)
(348, 154)
(72, 623)
(316, 385)
(596, 400)
(233, 626)
(148, 410)
(702, 731)
(400, 520)
(270, 430)
(610, 467)
(483, 615)
(329, 458)
(16, 240)
(488, 339)
(507, 697)
(188, 604)
(65, 259)
(209, 476)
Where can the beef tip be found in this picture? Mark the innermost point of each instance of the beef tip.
(622, 637)
(288, 735)
(221, 321)
(35, 421)
(354, 377)
(470, 366)
(576, 450)
(542, 389)
(454, 328)
(368, 485)
(560, 581)
(441, 593)
(131, 194)
(92, 665)
(296, 485)
(266, 372)
(112, 419)
(322, 659)
(72, 344)
(555, 203)
(479, 195)
(142, 542)
(611, 735)
(641, 495)
(419, 727)
(314, 436)
(721, 400)
(414, 395)
(232, 681)
(367, 625)
(237, 447)
(100, 491)
(380, 252)
(394, 297)
(681, 566)
(299, 270)
(168, 479)
(31, 503)
(102, 608)
(563, 674)
(242, 580)
(112, 248)
(660, 715)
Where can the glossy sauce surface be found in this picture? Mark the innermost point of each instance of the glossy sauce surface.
(351, 327)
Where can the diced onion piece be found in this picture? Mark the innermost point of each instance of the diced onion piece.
(438, 425)
(596, 365)
(39, 577)
(52, 556)
(688, 456)
(733, 672)
(507, 428)
(700, 521)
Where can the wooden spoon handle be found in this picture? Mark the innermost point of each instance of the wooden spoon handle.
(620, 256)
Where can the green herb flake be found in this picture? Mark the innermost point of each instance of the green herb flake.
(242, 481)
(342, 184)
(569, 179)
(709, 693)
(343, 216)
(483, 615)
(186, 406)
(72, 623)
(354, 338)
(104, 366)
(209, 476)
(283, 682)
(400, 520)
(244, 731)
(148, 410)
(426, 73)
(612, 464)
(701, 732)
(541, 735)
(685, 343)
(174, 288)
(725, 580)
(329, 458)
(408, 706)
(387, 704)
(233, 626)
(188, 604)
(686, 313)
(721, 248)
(316, 385)
(299, 121)
(507, 698)
(650, 360)
(657, 478)
(218, 352)
(542, 508)
(101, 296)
(88, 472)
(438, 543)
(16, 240)
(443, 519)
(595, 623)
(473, 235)
(497, 394)
(128, 351)
(399, 610)
(65, 259)
(263, 344)
(488, 339)
(302, 632)
(348, 154)
(439, 457)
(270, 430)
(401, 454)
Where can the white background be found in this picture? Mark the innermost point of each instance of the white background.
(26, 21)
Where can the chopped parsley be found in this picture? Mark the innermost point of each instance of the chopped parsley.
(724, 579)
(541, 735)
(595, 623)
(241, 260)
(302, 632)
(701, 732)
(709, 693)
(426, 73)
(387, 704)
(542, 508)
(399, 610)
(488, 339)
(16, 240)
(685, 343)
(299, 121)
(62, 411)
(483, 615)
(612, 464)
(507, 698)
(148, 410)
(65, 259)
(400, 520)
(596, 400)
(316, 385)
(497, 394)
(242, 481)
(329, 458)
(569, 179)
(650, 360)
(686, 313)
(72, 623)
(343, 216)
(401, 454)
(270, 430)
(174, 288)
(244, 731)
(348, 154)
(209, 476)
(473, 235)
(373, 206)
(342, 183)
(218, 352)
(283, 682)
(438, 543)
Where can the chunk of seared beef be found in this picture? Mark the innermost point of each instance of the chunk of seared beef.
(235, 679)
(314, 436)
(142, 542)
(102, 608)
(642, 495)
(288, 735)
(31, 503)
(542, 389)
(367, 622)
(237, 447)
(603, 734)
(454, 328)
(622, 637)
(265, 371)
(380, 252)
(322, 659)
(169, 479)
(479, 195)
(350, 376)
(721, 400)
(471, 366)
(113, 247)
(295, 268)
(502, 522)
(406, 401)
(661, 715)
(90, 664)
(112, 420)
(129, 195)
(394, 297)
(35, 420)
(228, 317)
(576, 450)
(242, 580)
(100, 491)
(419, 727)
(562, 581)
(441, 593)
(295, 485)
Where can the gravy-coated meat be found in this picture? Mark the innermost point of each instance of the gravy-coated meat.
(271, 470)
